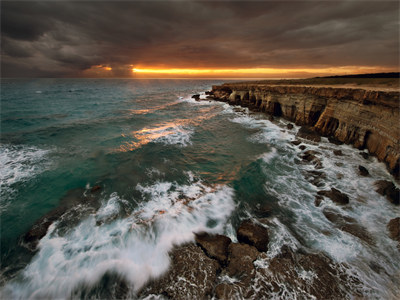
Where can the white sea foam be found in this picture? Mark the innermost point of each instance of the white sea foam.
(18, 164)
(135, 247)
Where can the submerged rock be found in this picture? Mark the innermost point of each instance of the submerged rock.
(388, 189)
(289, 126)
(348, 225)
(68, 203)
(215, 246)
(335, 195)
(296, 143)
(253, 234)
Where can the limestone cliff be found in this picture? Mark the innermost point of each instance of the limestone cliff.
(364, 118)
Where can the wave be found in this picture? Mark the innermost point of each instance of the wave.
(135, 247)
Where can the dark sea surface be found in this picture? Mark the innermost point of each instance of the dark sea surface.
(167, 166)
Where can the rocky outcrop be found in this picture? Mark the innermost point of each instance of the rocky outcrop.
(363, 118)
(215, 246)
(253, 234)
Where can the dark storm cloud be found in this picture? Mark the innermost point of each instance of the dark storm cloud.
(64, 38)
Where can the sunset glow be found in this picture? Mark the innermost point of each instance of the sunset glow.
(251, 72)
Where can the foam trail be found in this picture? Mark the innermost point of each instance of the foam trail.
(135, 247)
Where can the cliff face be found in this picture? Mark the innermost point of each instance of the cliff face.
(363, 118)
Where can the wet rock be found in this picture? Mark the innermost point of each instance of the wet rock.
(209, 93)
(335, 195)
(287, 273)
(394, 229)
(192, 275)
(296, 143)
(388, 189)
(308, 134)
(318, 200)
(196, 97)
(215, 246)
(241, 258)
(253, 234)
(363, 171)
(338, 152)
(310, 156)
(70, 201)
(263, 210)
(364, 155)
(315, 177)
(226, 291)
(302, 147)
(348, 225)
(289, 126)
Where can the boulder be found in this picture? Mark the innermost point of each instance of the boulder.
(215, 246)
(364, 155)
(363, 171)
(388, 189)
(253, 234)
(302, 147)
(289, 126)
(335, 195)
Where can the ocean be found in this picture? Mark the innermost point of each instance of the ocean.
(167, 166)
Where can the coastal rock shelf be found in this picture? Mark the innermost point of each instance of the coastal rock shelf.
(364, 118)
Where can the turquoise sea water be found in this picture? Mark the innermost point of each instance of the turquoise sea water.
(168, 166)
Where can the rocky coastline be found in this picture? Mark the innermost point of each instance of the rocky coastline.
(214, 266)
(364, 118)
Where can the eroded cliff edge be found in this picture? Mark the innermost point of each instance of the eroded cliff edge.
(364, 118)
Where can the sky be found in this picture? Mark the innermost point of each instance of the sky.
(205, 39)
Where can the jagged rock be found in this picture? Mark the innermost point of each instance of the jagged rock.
(192, 275)
(338, 152)
(335, 195)
(363, 171)
(215, 246)
(253, 234)
(289, 126)
(302, 147)
(388, 189)
(394, 230)
(296, 143)
(348, 225)
(241, 258)
(196, 97)
(310, 156)
(308, 134)
(225, 291)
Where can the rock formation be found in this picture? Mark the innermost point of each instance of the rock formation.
(364, 118)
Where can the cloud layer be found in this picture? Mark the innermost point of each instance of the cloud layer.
(74, 38)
